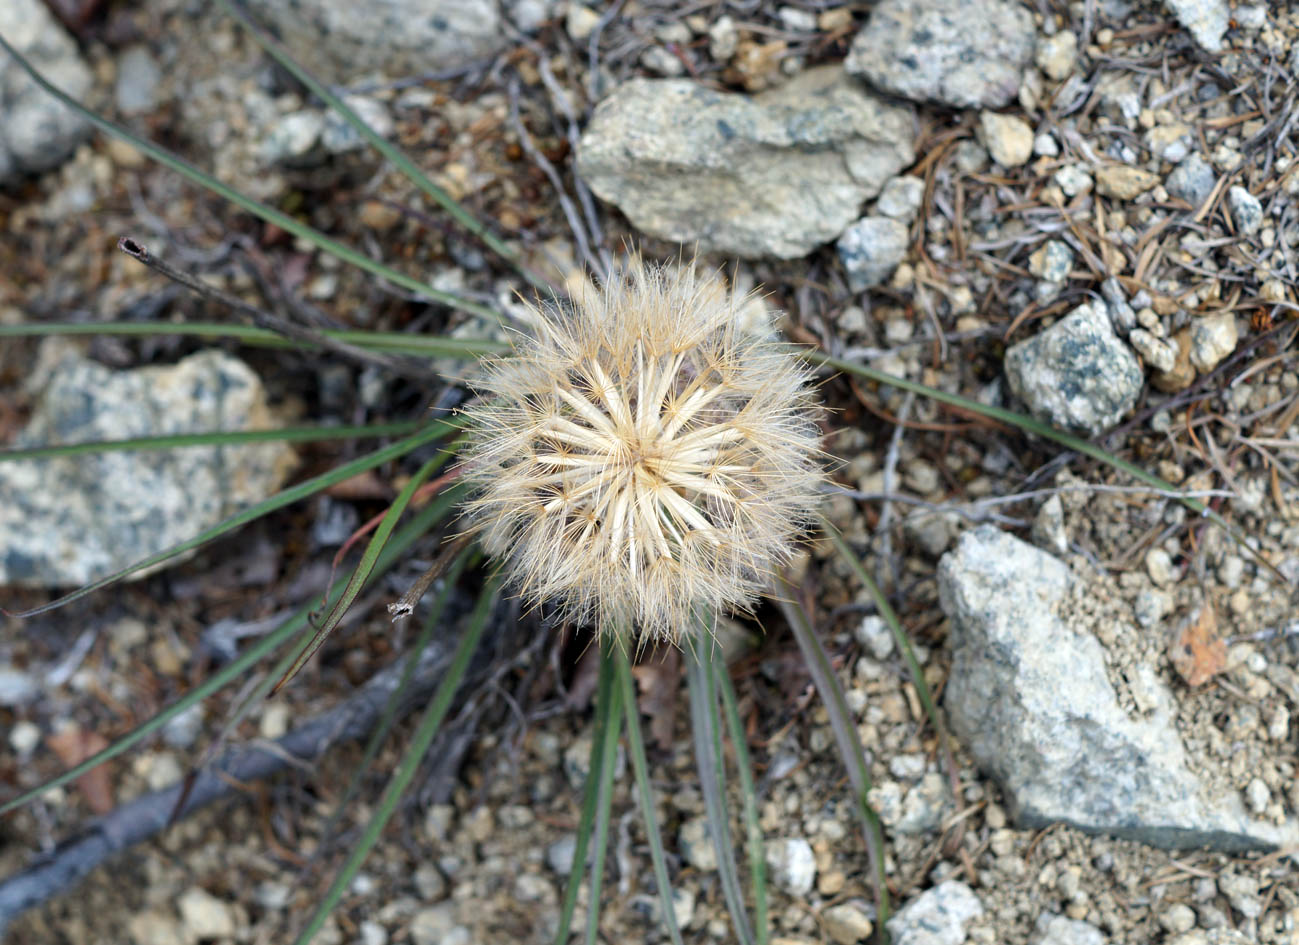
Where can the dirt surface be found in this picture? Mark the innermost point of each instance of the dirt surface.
(474, 853)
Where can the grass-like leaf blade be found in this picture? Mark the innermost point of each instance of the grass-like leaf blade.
(749, 796)
(308, 434)
(269, 214)
(706, 729)
(640, 767)
(405, 773)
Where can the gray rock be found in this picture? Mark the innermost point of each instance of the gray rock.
(772, 175)
(1051, 261)
(1030, 697)
(901, 198)
(531, 15)
(1245, 210)
(792, 865)
(294, 138)
(871, 249)
(69, 520)
(937, 916)
(16, 687)
(1192, 180)
(1077, 375)
(1049, 529)
(138, 76)
(1205, 20)
(338, 136)
(36, 131)
(559, 855)
(1058, 930)
(875, 637)
(183, 730)
(342, 40)
(964, 53)
(1116, 300)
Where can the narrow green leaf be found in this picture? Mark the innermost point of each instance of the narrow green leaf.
(608, 729)
(384, 147)
(818, 666)
(749, 793)
(369, 559)
(388, 342)
(436, 430)
(269, 214)
(425, 519)
(641, 768)
(312, 434)
(432, 623)
(419, 745)
(590, 800)
(706, 729)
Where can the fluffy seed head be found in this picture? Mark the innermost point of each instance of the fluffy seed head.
(642, 460)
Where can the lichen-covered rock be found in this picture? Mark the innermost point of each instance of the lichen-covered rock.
(1076, 375)
(341, 40)
(36, 131)
(776, 174)
(1205, 20)
(70, 520)
(963, 53)
(1030, 697)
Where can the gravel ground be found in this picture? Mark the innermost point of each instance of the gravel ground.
(1133, 162)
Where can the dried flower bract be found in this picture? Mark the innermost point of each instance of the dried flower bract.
(643, 460)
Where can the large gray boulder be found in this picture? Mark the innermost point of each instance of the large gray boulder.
(66, 521)
(1030, 698)
(36, 131)
(776, 174)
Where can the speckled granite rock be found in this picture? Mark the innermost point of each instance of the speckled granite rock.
(36, 132)
(1030, 697)
(340, 40)
(963, 53)
(777, 174)
(1076, 375)
(1205, 20)
(69, 520)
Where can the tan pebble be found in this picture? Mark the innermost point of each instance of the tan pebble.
(379, 216)
(1009, 139)
(830, 883)
(1123, 182)
(832, 21)
(124, 155)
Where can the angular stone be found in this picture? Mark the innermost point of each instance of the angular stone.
(871, 249)
(1205, 20)
(963, 53)
(1076, 375)
(341, 40)
(36, 131)
(69, 520)
(937, 916)
(773, 175)
(1124, 182)
(1029, 696)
